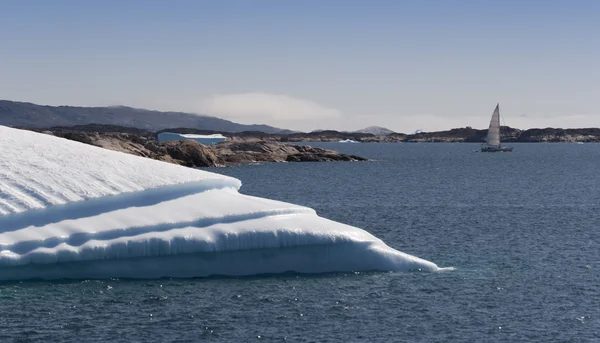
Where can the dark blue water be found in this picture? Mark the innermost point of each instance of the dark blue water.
(522, 229)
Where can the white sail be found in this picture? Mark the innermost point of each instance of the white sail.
(493, 136)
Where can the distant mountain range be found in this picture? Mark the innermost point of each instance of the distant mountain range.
(23, 114)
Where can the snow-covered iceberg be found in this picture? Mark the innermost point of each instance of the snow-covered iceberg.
(204, 139)
(70, 210)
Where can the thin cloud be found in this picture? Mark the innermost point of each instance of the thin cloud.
(266, 107)
(289, 112)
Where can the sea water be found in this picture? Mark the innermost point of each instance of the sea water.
(521, 228)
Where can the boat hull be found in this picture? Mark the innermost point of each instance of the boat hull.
(496, 149)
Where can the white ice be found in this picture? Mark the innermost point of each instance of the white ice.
(70, 210)
(204, 139)
(214, 135)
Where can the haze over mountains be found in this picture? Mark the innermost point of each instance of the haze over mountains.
(24, 114)
(119, 118)
(14, 113)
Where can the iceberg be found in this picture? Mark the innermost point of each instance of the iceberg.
(203, 139)
(70, 210)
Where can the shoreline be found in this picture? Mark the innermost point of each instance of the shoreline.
(459, 135)
(190, 153)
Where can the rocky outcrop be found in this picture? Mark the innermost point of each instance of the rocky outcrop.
(560, 135)
(187, 153)
(309, 154)
(459, 135)
(193, 154)
(259, 151)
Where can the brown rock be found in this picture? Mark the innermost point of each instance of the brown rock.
(193, 154)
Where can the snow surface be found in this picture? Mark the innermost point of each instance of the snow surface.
(70, 210)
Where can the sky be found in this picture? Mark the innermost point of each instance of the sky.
(312, 64)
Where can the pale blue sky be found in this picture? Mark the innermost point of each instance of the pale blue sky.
(312, 64)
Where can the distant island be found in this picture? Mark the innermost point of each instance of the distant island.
(460, 135)
(132, 120)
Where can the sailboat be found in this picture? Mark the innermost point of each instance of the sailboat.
(492, 142)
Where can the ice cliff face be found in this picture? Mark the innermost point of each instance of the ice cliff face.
(70, 210)
(203, 139)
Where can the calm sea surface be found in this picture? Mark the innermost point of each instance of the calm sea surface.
(521, 228)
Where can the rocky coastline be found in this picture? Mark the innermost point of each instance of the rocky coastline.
(193, 154)
(458, 135)
(254, 146)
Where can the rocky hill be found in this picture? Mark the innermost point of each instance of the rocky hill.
(22, 114)
(376, 130)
